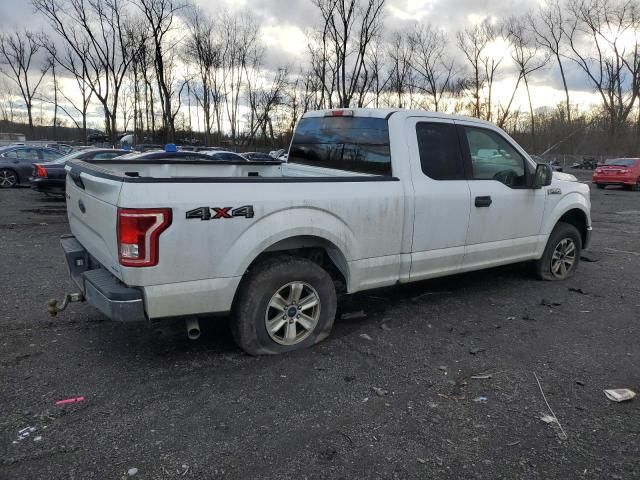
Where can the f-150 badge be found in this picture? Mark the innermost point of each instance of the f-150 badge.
(216, 213)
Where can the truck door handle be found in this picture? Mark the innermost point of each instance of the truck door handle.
(483, 201)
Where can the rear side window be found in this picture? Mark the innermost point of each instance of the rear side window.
(439, 149)
(355, 144)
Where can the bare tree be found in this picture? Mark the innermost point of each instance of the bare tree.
(597, 31)
(526, 56)
(549, 28)
(434, 68)
(473, 42)
(17, 52)
(349, 27)
(160, 16)
(400, 54)
(264, 101)
(96, 32)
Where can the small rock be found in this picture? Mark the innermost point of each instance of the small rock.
(476, 350)
(349, 378)
(511, 318)
(381, 392)
(366, 337)
(384, 326)
(578, 290)
(132, 471)
(421, 460)
(443, 368)
(528, 318)
(580, 382)
(37, 439)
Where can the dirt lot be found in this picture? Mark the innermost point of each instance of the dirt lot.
(388, 395)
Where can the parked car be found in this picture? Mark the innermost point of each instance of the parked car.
(50, 177)
(258, 157)
(618, 171)
(271, 242)
(226, 156)
(277, 153)
(16, 163)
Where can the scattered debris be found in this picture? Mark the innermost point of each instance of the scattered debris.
(589, 258)
(555, 418)
(513, 444)
(381, 392)
(511, 318)
(476, 350)
(25, 432)
(580, 382)
(480, 399)
(421, 460)
(433, 405)
(366, 337)
(578, 290)
(384, 326)
(67, 401)
(425, 294)
(548, 303)
(627, 252)
(481, 377)
(43, 224)
(349, 378)
(528, 318)
(547, 418)
(132, 471)
(38, 438)
(353, 315)
(620, 394)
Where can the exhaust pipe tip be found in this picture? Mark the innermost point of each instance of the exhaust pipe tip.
(193, 328)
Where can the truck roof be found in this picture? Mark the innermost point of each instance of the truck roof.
(387, 112)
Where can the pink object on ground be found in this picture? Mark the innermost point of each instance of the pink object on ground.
(70, 400)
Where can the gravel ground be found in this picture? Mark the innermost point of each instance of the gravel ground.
(390, 394)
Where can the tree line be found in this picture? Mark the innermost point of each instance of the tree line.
(152, 66)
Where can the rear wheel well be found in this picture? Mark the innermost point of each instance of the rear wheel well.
(318, 250)
(578, 219)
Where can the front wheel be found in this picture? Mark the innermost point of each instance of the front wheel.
(285, 304)
(561, 255)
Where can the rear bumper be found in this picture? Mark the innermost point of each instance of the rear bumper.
(613, 180)
(100, 288)
(47, 184)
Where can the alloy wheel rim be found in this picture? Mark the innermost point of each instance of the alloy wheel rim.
(564, 257)
(7, 179)
(292, 313)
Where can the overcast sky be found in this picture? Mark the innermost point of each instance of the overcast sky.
(283, 24)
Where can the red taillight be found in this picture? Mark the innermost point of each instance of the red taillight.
(138, 232)
(40, 171)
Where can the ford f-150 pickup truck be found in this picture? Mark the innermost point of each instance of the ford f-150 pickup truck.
(368, 198)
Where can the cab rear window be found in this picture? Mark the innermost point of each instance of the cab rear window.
(354, 144)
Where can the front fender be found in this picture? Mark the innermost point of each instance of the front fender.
(573, 200)
(277, 226)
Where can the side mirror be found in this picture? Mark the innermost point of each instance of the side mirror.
(543, 176)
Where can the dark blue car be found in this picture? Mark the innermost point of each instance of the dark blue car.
(16, 162)
(50, 177)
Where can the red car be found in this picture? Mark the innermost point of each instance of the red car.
(618, 171)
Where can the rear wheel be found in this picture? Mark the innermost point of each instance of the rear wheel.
(561, 255)
(8, 178)
(284, 304)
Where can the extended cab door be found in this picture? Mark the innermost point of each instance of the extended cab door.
(505, 215)
(441, 197)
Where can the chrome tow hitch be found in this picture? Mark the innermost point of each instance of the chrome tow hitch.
(52, 305)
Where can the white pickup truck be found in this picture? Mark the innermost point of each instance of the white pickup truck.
(368, 198)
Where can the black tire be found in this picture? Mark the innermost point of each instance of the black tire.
(256, 291)
(8, 178)
(599, 185)
(561, 233)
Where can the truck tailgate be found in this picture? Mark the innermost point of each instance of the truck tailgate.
(93, 212)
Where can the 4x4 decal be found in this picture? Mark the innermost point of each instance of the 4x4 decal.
(216, 213)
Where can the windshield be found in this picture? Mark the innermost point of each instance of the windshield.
(356, 144)
(623, 162)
